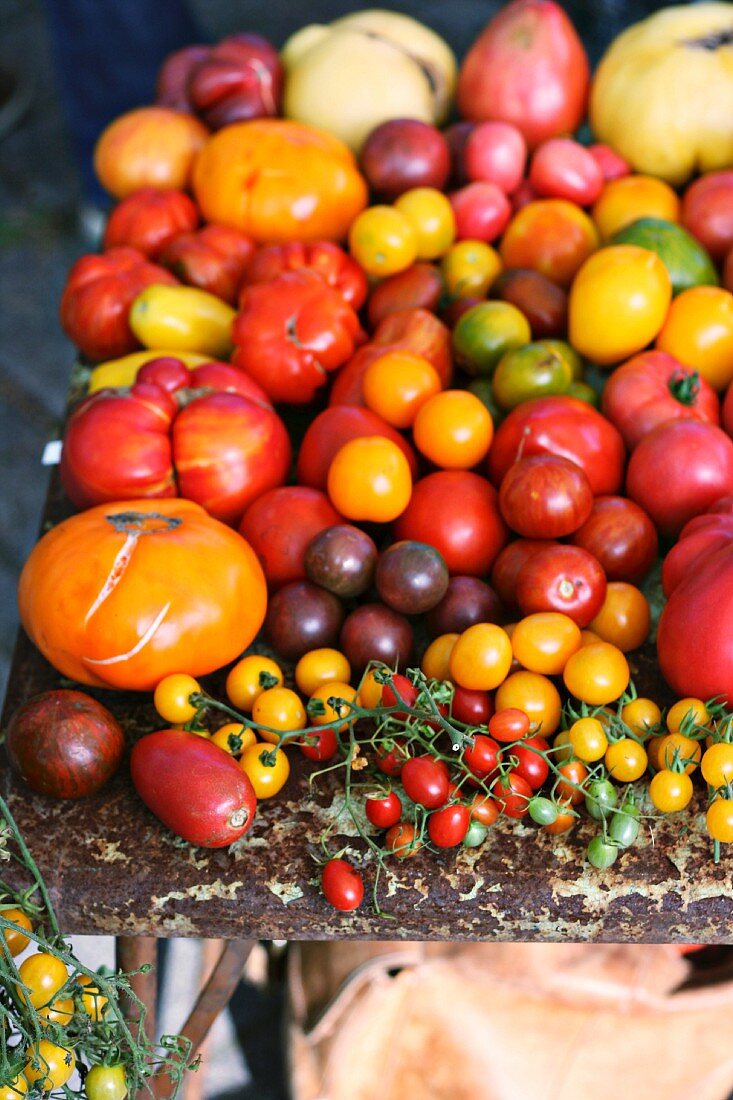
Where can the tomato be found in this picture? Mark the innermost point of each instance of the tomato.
(436, 658)
(431, 216)
(105, 1082)
(534, 694)
(369, 479)
(398, 384)
(93, 1000)
(481, 211)
(321, 666)
(696, 458)
(535, 370)
(600, 798)
(481, 755)
(43, 975)
(457, 512)
(343, 886)
(563, 426)
(249, 678)
(391, 756)
(509, 724)
(402, 841)
(266, 767)
(588, 739)
(642, 716)
(384, 812)
(334, 690)
(448, 826)
(182, 317)
(543, 303)
(564, 169)
(602, 853)
(469, 268)
(383, 241)
(402, 153)
(717, 764)
(543, 642)
(213, 259)
(481, 657)
(512, 794)
(545, 497)
(531, 764)
(279, 525)
(58, 1012)
(233, 738)
(571, 787)
(375, 632)
(172, 697)
(486, 332)
(508, 564)
(618, 302)
(597, 674)
(148, 219)
(670, 791)
(467, 601)
(621, 536)
(551, 236)
(652, 388)
(328, 432)
(612, 165)
(676, 747)
(425, 782)
(719, 819)
(698, 331)
(626, 760)
(562, 823)
(48, 1066)
(278, 709)
(326, 259)
(631, 197)
(699, 538)
(625, 825)
(419, 286)
(400, 690)
(484, 809)
(563, 579)
(624, 618)
(453, 429)
(15, 938)
(474, 708)
(495, 152)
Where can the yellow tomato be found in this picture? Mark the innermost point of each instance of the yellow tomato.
(94, 1001)
(280, 709)
(536, 695)
(431, 216)
(53, 1066)
(321, 666)
(543, 642)
(624, 200)
(370, 691)
(58, 1012)
(183, 317)
(249, 678)
(233, 738)
(266, 767)
(453, 429)
(469, 268)
(397, 385)
(588, 739)
(597, 674)
(626, 760)
(369, 479)
(13, 1089)
(624, 618)
(436, 658)
(43, 975)
(618, 302)
(383, 241)
(641, 715)
(16, 939)
(335, 690)
(687, 712)
(664, 751)
(171, 697)
(123, 371)
(699, 332)
(481, 657)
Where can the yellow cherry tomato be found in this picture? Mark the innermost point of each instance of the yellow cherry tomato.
(698, 331)
(13, 1089)
(536, 695)
(481, 657)
(321, 666)
(266, 767)
(589, 637)
(588, 739)
(281, 709)
(122, 372)
(469, 268)
(670, 791)
(172, 697)
(719, 819)
(597, 674)
(48, 1066)
(431, 216)
(543, 642)
(383, 241)
(249, 678)
(685, 713)
(370, 691)
(233, 738)
(626, 760)
(58, 1012)
(183, 317)
(43, 975)
(369, 479)
(717, 764)
(15, 938)
(453, 429)
(641, 715)
(624, 618)
(436, 658)
(94, 1001)
(664, 751)
(624, 200)
(398, 384)
(335, 690)
(618, 302)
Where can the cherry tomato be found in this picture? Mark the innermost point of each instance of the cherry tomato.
(597, 674)
(402, 841)
(545, 641)
(641, 715)
(602, 853)
(43, 975)
(629, 198)
(474, 708)
(369, 479)
(620, 534)
(370, 690)
(16, 939)
(481, 657)
(509, 724)
(531, 764)
(391, 757)
(481, 755)
(172, 695)
(469, 268)
(384, 812)
(335, 690)
(551, 236)
(399, 690)
(570, 787)
(495, 152)
(481, 211)
(624, 618)
(484, 809)
(564, 579)
(435, 661)
(676, 746)
(453, 430)
(719, 819)
(53, 1067)
(321, 666)
(542, 811)
(564, 169)
(626, 760)
(534, 694)
(280, 709)
(343, 886)
(512, 793)
(563, 822)
(13, 1089)
(448, 826)
(106, 1083)
(398, 384)
(431, 216)
(383, 241)
(545, 496)
(588, 739)
(717, 764)
(249, 678)
(425, 782)
(93, 1000)
(670, 791)
(58, 1012)
(686, 713)
(234, 738)
(320, 746)
(266, 767)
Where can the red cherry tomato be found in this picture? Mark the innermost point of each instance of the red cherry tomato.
(425, 782)
(391, 761)
(384, 812)
(564, 169)
(531, 765)
(320, 746)
(471, 706)
(509, 724)
(448, 826)
(512, 792)
(343, 886)
(482, 756)
(401, 689)
(482, 211)
(545, 496)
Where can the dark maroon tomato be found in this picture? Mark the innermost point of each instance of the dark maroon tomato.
(467, 601)
(509, 563)
(562, 578)
(374, 632)
(448, 826)
(512, 793)
(220, 802)
(457, 136)
(411, 577)
(545, 497)
(509, 724)
(425, 782)
(343, 886)
(391, 758)
(384, 812)
(64, 744)
(530, 764)
(320, 746)
(400, 690)
(404, 153)
(280, 524)
(300, 617)
(543, 303)
(621, 536)
(482, 756)
(454, 309)
(473, 707)
(417, 287)
(342, 559)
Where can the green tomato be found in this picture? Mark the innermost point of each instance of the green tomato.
(106, 1083)
(569, 354)
(584, 392)
(602, 853)
(485, 332)
(625, 826)
(532, 371)
(600, 798)
(542, 810)
(476, 835)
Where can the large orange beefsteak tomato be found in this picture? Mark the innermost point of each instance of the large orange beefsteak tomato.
(124, 594)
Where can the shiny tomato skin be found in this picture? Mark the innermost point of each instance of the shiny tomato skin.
(320, 746)
(562, 578)
(473, 707)
(280, 524)
(425, 782)
(481, 756)
(530, 764)
(214, 259)
(417, 287)
(391, 761)
(509, 724)
(620, 534)
(512, 792)
(330, 429)
(149, 218)
(400, 689)
(384, 812)
(545, 497)
(448, 826)
(699, 538)
(564, 169)
(508, 563)
(220, 802)
(457, 512)
(563, 426)
(330, 262)
(343, 886)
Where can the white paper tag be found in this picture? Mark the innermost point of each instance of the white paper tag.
(52, 453)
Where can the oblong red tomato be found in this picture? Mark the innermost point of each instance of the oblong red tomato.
(219, 802)
(280, 524)
(335, 426)
(564, 426)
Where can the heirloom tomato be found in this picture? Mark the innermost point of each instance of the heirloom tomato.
(698, 330)
(708, 214)
(625, 200)
(545, 496)
(564, 169)
(562, 578)
(239, 78)
(508, 563)
(213, 259)
(597, 674)
(621, 536)
(624, 618)
(453, 429)
(148, 147)
(469, 268)
(544, 642)
(467, 600)
(331, 429)
(369, 479)
(397, 384)
(383, 241)
(279, 525)
(334, 266)
(551, 236)
(699, 538)
(481, 657)
(535, 695)
(404, 153)
(417, 287)
(148, 219)
(321, 666)
(543, 303)
(431, 216)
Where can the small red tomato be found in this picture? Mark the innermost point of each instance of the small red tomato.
(531, 765)
(512, 792)
(390, 761)
(384, 812)
(612, 166)
(496, 152)
(621, 536)
(400, 690)
(343, 886)
(508, 564)
(562, 578)
(473, 707)
(482, 212)
(425, 782)
(320, 746)
(509, 724)
(545, 497)
(482, 756)
(448, 826)
(402, 841)
(564, 169)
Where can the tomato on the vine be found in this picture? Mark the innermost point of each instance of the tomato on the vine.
(391, 757)
(564, 821)
(670, 791)
(93, 1000)
(509, 724)
(481, 755)
(531, 763)
(53, 1067)
(106, 1083)
(600, 798)
(233, 738)
(473, 708)
(402, 840)
(570, 787)
(597, 674)
(321, 666)
(343, 886)
(58, 1012)
(675, 746)
(717, 764)
(626, 760)
(278, 708)
(266, 767)
(447, 827)
(641, 715)
(249, 678)
(687, 712)
(513, 793)
(171, 697)
(719, 819)
(332, 712)
(534, 694)
(13, 1089)
(425, 782)
(484, 809)
(588, 739)
(399, 690)
(384, 812)
(43, 975)
(16, 939)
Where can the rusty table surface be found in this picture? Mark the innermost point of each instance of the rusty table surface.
(112, 868)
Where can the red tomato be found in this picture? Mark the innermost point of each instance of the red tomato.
(220, 802)
(482, 212)
(343, 886)
(545, 497)
(562, 578)
(280, 524)
(425, 782)
(417, 287)
(495, 152)
(612, 165)
(707, 212)
(512, 792)
(334, 266)
(482, 756)
(678, 470)
(149, 218)
(213, 259)
(320, 746)
(384, 812)
(699, 538)
(563, 426)
(327, 433)
(652, 388)
(391, 761)
(457, 512)
(471, 706)
(508, 563)
(621, 536)
(447, 827)
(400, 690)
(564, 169)
(530, 764)
(509, 724)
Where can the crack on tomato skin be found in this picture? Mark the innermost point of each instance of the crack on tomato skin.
(139, 645)
(115, 575)
(291, 330)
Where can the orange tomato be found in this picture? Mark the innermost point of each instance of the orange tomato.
(481, 657)
(469, 268)
(569, 789)
(597, 674)
(369, 691)
(321, 666)
(369, 479)
(543, 642)
(278, 181)
(686, 712)
(453, 429)
(641, 715)
(234, 738)
(383, 241)
(148, 147)
(563, 822)
(436, 658)
(397, 385)
(250, 677)
(624, 200)
(336, 690)
(698, 331)
(624, 618)
(431, 216)
(618, 303)
(280, 709)
(663, 750)
(536, 695)
(551, 236)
